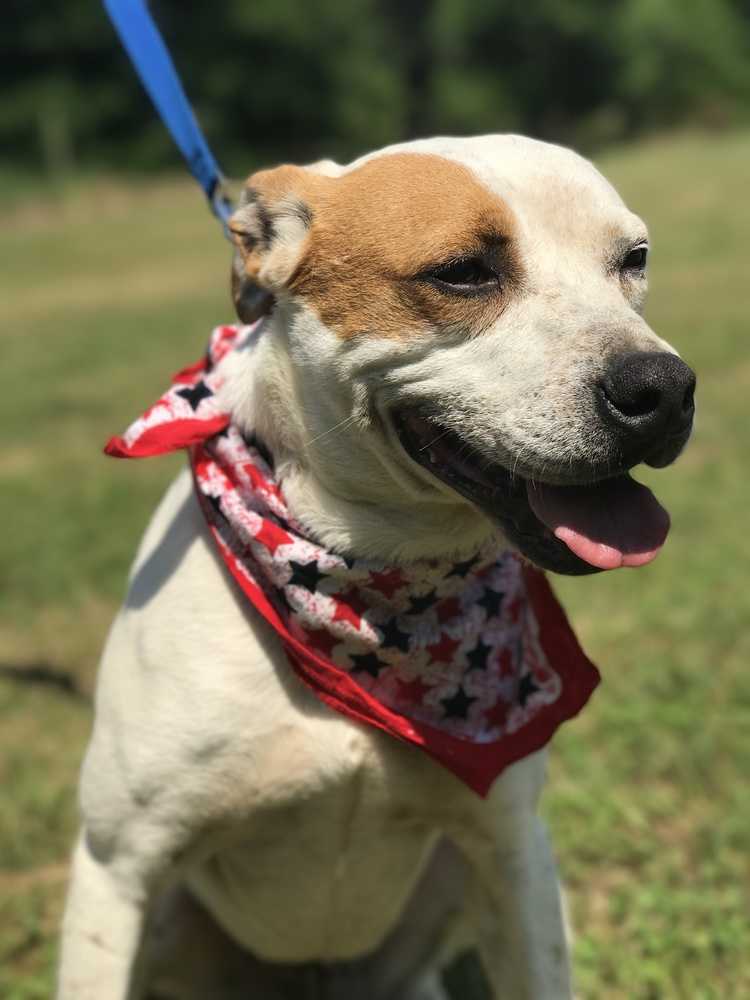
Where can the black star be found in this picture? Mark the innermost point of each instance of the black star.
(419, 604)
(216, 505)
(194, 394)
(457, 705)
(462, 568)
(394, 637)
(305, 575)
(367, 662)
(478, 657)
(526, 688)
(491, 601)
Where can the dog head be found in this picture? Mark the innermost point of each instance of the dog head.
(469, 312)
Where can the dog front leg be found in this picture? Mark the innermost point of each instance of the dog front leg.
(519, 919)
(102, 931)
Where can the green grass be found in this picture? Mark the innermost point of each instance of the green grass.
(108, 289)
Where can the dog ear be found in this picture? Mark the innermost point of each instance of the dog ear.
(269, 230)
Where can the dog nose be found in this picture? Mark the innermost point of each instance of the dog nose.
(649, 394)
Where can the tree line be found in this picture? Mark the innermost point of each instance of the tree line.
(301, 79)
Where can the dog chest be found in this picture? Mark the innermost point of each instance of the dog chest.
(323, 880)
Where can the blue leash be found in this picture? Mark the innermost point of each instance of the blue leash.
(153, 64)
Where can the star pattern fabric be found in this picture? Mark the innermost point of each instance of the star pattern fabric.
(472, 661)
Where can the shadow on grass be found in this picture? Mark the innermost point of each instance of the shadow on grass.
(45, 675)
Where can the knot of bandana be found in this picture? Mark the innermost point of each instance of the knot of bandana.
(472, 661)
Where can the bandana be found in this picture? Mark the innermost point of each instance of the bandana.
(473, 662)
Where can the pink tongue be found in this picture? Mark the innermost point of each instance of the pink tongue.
(615, 523)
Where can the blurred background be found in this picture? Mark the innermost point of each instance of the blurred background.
(113, 273)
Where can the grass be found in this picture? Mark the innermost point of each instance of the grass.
(107, 290)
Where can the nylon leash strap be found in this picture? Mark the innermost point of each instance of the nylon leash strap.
(153, 64)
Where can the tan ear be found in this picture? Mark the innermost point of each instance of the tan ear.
(269, 229)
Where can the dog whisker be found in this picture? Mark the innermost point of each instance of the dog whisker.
(340, 426)
(435, 440)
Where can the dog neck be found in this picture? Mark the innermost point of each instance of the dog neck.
(339, 490)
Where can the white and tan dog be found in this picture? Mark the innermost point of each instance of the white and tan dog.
(489, 289)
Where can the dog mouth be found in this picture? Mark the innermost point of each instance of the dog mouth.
(581, 528)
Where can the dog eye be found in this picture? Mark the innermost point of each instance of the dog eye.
(464, 276)
(635, 260)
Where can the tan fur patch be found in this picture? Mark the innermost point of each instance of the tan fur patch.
(374, 230)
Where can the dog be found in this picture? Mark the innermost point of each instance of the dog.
(443, 363)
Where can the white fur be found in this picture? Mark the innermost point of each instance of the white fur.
(305, 836)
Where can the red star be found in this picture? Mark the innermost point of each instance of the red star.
(321, 641)
(272, 536)
(348, 610)
(258, 480)
(447, 609)
(387, 582)
(202, 464)
(442, 652)
(412, 691)
(497, 715)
